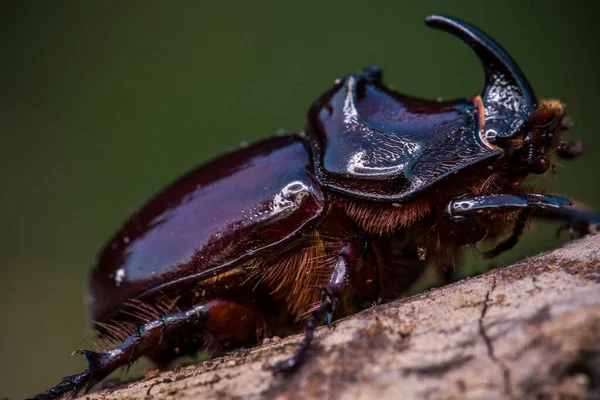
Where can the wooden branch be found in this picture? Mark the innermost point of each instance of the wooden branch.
(531, 330)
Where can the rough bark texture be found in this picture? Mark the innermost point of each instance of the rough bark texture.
(531, 330)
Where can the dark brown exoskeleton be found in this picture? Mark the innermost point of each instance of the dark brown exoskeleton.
(378, 188)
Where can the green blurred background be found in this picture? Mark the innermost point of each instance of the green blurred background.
(103, 103)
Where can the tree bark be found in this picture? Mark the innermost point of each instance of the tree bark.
(531, 330)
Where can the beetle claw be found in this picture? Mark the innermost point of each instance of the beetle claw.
(72, 384)
(580, 227)
(283, 367)
(569, 226)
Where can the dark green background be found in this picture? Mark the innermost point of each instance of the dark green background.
(101, 104)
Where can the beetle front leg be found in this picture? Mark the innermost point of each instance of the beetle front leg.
(576, 220)
(472, 206)
(218, 317)
(537, 205)
(338, 283)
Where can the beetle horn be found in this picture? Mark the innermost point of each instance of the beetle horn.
(507, 92)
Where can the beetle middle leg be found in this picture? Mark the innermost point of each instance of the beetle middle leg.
(332, 294)
(228, 322)
(513, 239)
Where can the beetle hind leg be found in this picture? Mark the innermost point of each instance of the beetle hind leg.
(221, 318)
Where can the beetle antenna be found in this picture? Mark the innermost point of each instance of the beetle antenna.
(507, 91)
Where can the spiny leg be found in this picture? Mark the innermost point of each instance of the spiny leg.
(69, 384)
(220, 318)
(467, 207)
(537, 205)
(338, 282)
(576, 220)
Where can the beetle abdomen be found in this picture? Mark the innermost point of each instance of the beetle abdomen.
(210, 220)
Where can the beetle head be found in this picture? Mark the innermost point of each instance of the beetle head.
(529, 150)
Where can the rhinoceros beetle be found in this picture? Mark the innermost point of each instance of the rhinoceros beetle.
(300, 228)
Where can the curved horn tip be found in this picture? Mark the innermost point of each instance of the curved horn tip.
(457, 27)
(493, 57)
(433, 19)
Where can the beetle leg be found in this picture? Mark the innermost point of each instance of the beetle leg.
(217, 317)
(291, 364)
(512, 240)
(576, 220)
(69, 384)
(340, 278)
(537, 205)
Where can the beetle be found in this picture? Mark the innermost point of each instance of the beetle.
(300, 228)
